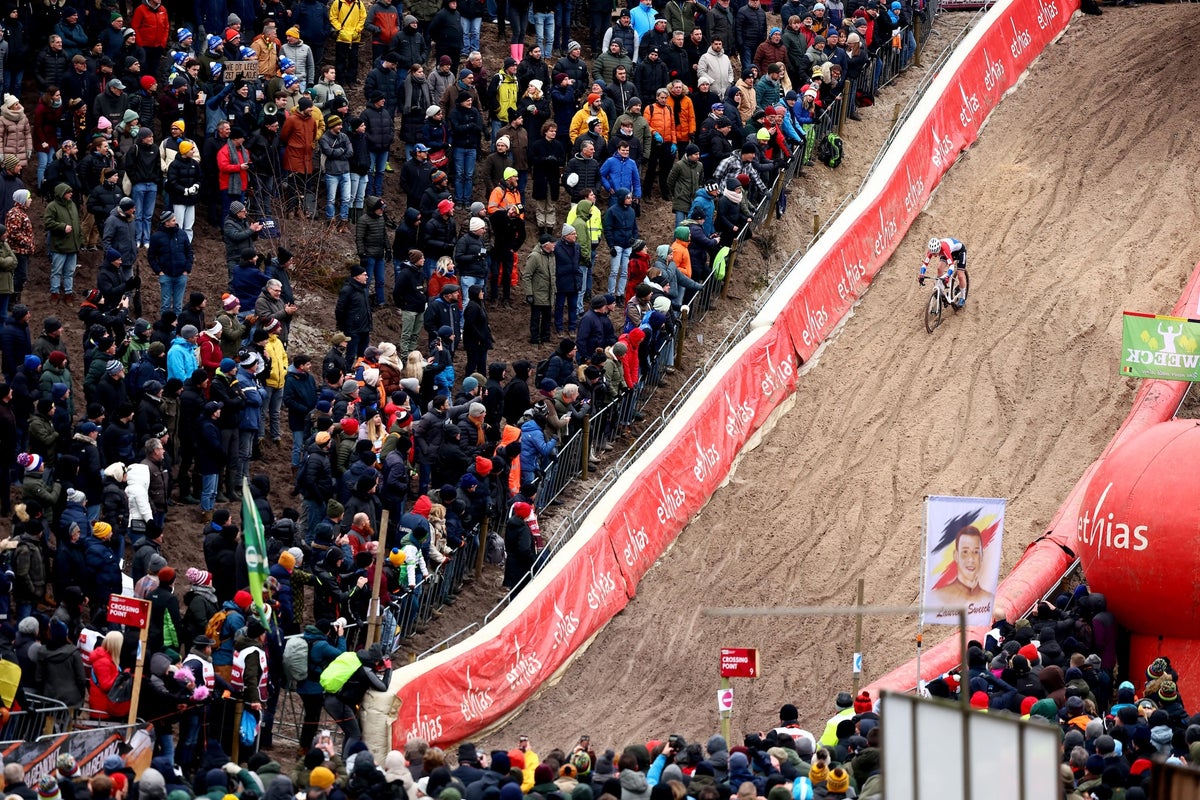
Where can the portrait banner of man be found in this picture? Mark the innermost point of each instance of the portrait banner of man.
(963, 537)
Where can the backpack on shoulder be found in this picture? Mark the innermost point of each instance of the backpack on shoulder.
(334, 677)
(295, 660)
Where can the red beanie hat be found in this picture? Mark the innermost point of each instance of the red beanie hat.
(423, 506)
(979, 700)
(1030, 652)
(148, 82)
(350, 425)
(862, 703)
(522, 510)
(1027, 705)
(483, 466)
(516, 758)
(242, 599)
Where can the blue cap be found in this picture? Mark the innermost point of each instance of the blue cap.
(285, 62)
(212, 41)
(290, 80)
(420, 148)
(87, 426)
(228, 365)
(215, 68)
(111, 255)
(183, 34)
(32, 362)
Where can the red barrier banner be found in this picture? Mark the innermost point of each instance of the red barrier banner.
(997, 59)
(459, 697)
(691, 465)
(570, 601)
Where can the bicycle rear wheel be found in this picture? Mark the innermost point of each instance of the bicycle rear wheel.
(933, 311)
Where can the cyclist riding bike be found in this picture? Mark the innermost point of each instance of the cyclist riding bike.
(952, 260)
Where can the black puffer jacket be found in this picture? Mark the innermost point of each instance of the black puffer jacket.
(470, 256)
(381, 128)
(370, 232)
(183, 182)
(353, 311)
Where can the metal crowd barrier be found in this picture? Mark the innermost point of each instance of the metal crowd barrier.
(562, 469)
(40, 716)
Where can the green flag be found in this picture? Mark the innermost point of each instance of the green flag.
(256, 551)
(1166, 348)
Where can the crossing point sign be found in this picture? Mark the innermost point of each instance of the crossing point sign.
(739, 662)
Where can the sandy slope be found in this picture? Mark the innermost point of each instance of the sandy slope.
(1078, 201)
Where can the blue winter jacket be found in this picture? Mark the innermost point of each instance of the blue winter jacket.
(536, 449)
(621, 172)
(252, 410)
(170, 252)
(223, 655)
(181, 359)
(620, 222)
(705, 201)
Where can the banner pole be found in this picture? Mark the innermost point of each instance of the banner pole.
(725, 715)
(858, 623)
(143, 636)
(921, 599)
(375, 612)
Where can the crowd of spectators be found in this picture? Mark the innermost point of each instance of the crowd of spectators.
(1055, 668)
(148, 131)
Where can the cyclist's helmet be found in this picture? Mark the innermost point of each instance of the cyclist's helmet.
(934, 245)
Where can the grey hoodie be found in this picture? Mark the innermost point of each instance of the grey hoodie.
(634, 786)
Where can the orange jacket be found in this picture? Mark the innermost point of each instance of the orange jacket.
(502, 198)
(661, 119)
(298, 136)
(681, 257)
(510, 434)
(686, 126)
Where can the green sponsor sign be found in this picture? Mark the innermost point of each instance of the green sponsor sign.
(1167, 348)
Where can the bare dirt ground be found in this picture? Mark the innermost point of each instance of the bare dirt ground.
(1077, 202)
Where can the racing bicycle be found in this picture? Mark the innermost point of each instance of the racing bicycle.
(945, 293)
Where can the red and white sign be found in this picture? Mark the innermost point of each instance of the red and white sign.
(123, 610)
(724, 700)
(739, 662)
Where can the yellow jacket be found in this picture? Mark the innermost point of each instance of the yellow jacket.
(347, 18)
(273, 348)
(531, 765)
(580, 120)
(594, 223)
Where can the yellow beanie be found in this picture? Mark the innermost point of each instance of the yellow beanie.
(818, 772)
(287, 561)
(838, 781)
(101, 530)
(321, 778)
(396, 557)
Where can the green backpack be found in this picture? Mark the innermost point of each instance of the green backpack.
(334, 677)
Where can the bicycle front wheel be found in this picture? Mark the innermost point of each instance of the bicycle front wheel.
(933, 311)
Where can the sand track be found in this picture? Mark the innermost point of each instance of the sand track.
(1080, 200)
